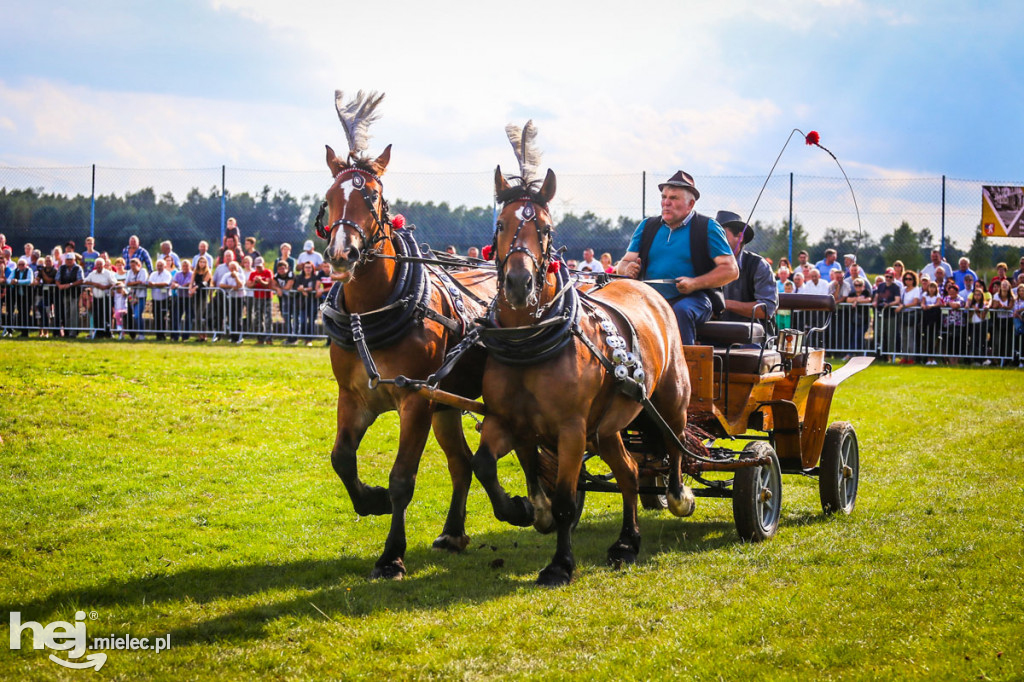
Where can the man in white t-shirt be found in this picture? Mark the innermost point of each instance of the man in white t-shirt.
(101, 280)
(936, 263)
(814, 284)
(308, 254)
(588, 264)
(160, 282)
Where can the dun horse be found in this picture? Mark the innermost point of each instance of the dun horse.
(565, 371)
(392, 316)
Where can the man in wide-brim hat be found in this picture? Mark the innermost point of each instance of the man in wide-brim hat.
(754, 294)
(684, 253)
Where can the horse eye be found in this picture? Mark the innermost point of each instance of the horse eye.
(498, 226)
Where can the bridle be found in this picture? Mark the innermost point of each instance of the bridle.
(529, 214)
(380, 234)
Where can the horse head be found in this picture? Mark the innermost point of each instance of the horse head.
(357, 214)
(522, 237)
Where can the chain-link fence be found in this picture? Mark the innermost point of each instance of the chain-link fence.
(50, 206)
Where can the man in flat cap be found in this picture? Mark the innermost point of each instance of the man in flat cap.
(754, 293)
(684, 255)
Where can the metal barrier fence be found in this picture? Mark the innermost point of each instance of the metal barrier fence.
(925, 336)
(294, 317)
(138, 312)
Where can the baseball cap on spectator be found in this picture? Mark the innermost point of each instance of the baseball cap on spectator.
(308, 245)
(23, 261)
(890, 271)
(258, 262)
(851, 257)
(69, 256)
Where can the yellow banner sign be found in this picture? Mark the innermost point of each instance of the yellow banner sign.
(1001, 211)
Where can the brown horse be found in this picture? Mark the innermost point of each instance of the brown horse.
(568, 402)
(364, 249)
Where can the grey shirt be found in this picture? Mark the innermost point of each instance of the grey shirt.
(764, 289)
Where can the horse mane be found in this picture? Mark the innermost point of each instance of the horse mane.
(363, 163)
(521, 190)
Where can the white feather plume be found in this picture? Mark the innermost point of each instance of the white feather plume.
(524, 144)
(356, 117)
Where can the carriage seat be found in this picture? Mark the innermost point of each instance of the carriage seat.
(722, 335)
(727, 333)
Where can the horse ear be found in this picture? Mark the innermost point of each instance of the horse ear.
(547, 190)
(333, 162)
(500, 183)
(380, 164)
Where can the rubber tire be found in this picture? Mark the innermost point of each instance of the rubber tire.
(754, 522)
(652, 501)
(838, 492)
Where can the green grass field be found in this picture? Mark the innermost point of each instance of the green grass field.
(188, 491)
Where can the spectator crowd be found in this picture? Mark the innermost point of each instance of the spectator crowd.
(912, 316)
(229, 294)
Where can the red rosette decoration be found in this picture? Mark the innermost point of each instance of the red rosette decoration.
(553, 266)
(398, 221)
(486, 252)
(812, 137)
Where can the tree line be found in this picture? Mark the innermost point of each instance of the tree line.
(273, 217)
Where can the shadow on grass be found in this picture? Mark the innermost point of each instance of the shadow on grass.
(495, 565)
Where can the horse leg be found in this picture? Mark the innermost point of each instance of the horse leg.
(414, 419)
(613, 452)
(495, 442)
(671, 404)
(571, 446)
(543, 520)
(449, 434)
(352, 425)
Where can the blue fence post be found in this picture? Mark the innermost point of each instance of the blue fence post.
(643, 195)
(790, 217)
(223, 203)
(92, 205)
(942, 239)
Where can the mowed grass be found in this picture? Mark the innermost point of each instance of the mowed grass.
(188, 491)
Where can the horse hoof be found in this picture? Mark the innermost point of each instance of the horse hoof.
(519, 512)
(554, 576)
(451, 543)
(682, 506)
(393, 570)
(374, 501)
(621, 553)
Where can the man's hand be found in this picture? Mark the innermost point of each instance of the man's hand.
(685, 285)
(632, 269)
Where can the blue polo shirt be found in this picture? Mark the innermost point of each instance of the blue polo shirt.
(670, 257)
(825, 270)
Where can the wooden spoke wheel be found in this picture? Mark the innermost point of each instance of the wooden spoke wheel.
(757, 494)
(839, 469)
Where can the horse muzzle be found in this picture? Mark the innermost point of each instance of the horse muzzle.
(519, 288)
(344, 255)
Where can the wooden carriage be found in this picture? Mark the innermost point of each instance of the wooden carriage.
(773, 395)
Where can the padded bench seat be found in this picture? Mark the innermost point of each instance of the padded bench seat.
(726, 333)
(745, 360)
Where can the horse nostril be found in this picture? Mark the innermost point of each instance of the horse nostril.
(352, 253)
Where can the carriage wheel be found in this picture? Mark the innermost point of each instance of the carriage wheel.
(757, 495)
(653, 500)
(839, 469)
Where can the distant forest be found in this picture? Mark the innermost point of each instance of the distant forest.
(273, 217)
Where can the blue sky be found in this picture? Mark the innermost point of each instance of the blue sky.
(923, 89)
